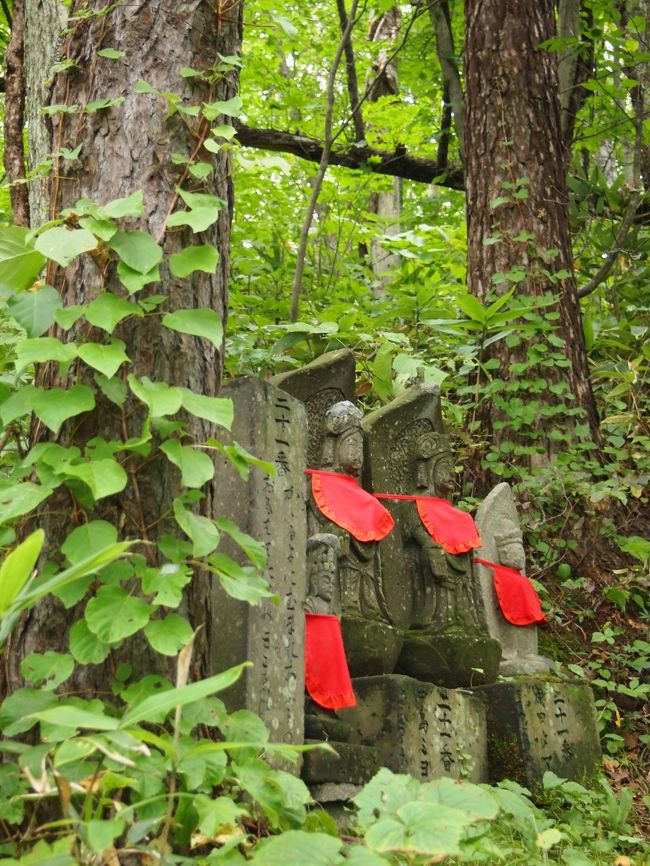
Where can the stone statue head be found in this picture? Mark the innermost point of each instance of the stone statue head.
(343, 448)
(510, 545)
(434, 472)
(322, 556)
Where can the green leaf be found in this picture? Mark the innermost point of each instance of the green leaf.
(107, 310)
(63, 245)
(17, 567)
(110, 53)
(67, 316)
(217, 815)
(47, 670)
(135, 281)
(465, 796)
(197, 258)
(218, 410)
(472, 308)
(241, 582)
(75, 717)
(162, 399)
(91, 536)
(56, 405)
(121, 208)
(230, 107)
(296, 846)
(200, 323)
(169, 635)
(85, 646)
(224, 130)
(196, 466)
(18, 499)
(102, 228)
(91, 565)
(204, 211)
(20, 262)
(202, 530)
(113, 389)
(254, 550)
(104, 477)
(138, 250)
(17, 709)
(34, 311)
(163, 702)
(114, 614)
(167, 582)
(99, 833)
(106, 358)
(40, 350)
(420, 828)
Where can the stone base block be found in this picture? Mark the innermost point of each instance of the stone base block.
(420, 728)
(536, 725)
(450, 659)
(371, 646)
(350, 764)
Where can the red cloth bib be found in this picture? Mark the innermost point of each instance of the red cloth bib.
(327, 677)
(454, 530)
(518, 600)
(344, 502)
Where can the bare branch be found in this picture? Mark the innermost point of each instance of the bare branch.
(603, 271)
(396, 163)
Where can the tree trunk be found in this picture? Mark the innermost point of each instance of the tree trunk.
(517, 217)
(124, 148)
(386, 204)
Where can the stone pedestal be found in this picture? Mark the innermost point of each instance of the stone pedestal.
(351, 764)
(272, 509)
(536, 725)
(419, 728)
(450, 659)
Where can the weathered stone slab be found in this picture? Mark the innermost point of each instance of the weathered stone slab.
(535, 725)
(271, 425)
(419, 728)
(349, 764)
(498, 525)
(391, 435)
(325, 381)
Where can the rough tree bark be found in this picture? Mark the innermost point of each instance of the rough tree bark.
(516, 190)
(125, 148)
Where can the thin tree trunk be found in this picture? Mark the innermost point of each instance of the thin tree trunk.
(517, 212)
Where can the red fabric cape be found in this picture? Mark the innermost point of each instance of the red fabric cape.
(327, 677)
(344, 502)
(454, 530)
(518, 600)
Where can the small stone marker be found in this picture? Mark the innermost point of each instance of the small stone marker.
(535, 725)
(498, 525)
(271, 425)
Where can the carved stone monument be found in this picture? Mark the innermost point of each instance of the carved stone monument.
(272, 425)
(372, 644)
(447, 641)
(498, 525)
(414, 603)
